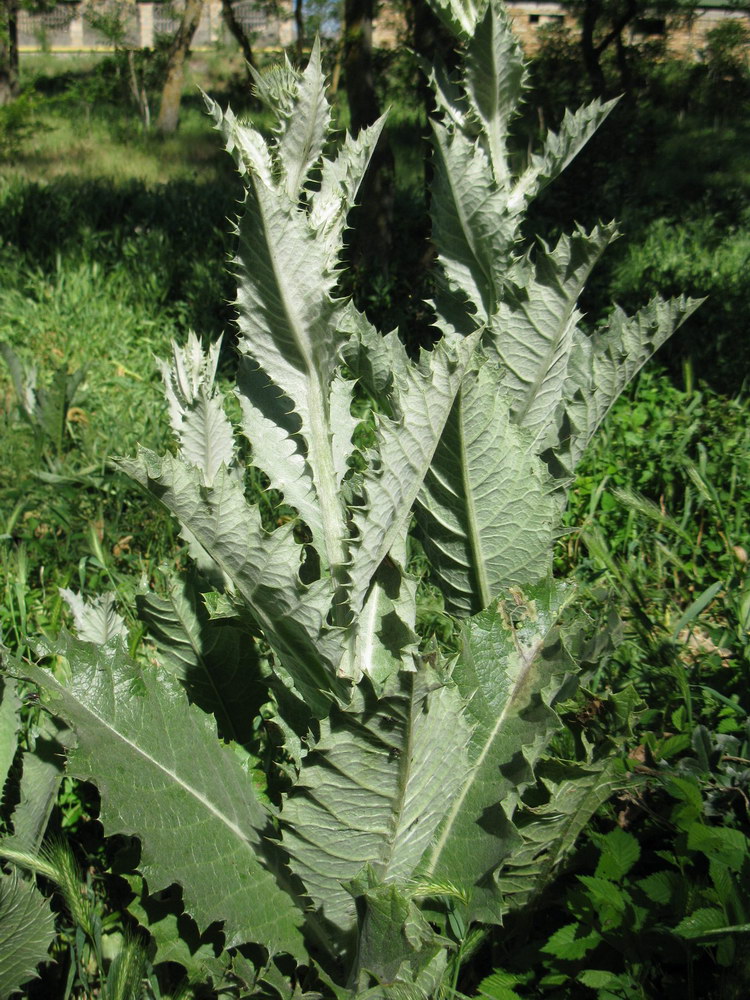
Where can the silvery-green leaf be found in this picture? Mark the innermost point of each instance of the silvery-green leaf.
(306, 128)
(27, 929)
(343, 424)
(560, 148)
(263, 567)
(243, 142)
(340, 179)
(405, 445)
(604, 363)
(384, 637)
(196, 408)
(508, 672)
(494, 77)
(271, 427)
(533, 331)
(216, 662)
(485, 512)
(165, 778)
(288, 324)
(96, 620)
(460, 16)
(473, 232)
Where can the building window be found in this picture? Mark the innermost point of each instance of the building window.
(650, 26)
(533, 19)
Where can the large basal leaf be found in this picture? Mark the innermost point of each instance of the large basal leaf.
(485, 511)
(27, 929)
(374, 788)
(509, 669)
(166, 779)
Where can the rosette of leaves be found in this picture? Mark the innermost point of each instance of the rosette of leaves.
(399, 824)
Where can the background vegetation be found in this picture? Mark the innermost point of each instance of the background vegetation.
(113, 241)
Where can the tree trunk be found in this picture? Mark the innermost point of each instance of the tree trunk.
(237, 30)
(372, 237)
(169, 110)
(8, 51)
(592, 10)
(360, 79)
(592, 51)
(432, 42)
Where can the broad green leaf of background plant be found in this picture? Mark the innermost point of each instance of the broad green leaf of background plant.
(166, 779)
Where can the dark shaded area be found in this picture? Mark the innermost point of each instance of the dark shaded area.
(173, 239)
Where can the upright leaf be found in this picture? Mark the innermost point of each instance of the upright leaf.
(263, 567)
(485, 511)
(405, 445)
(508, 672)
(533, 332)
(494, 77)
(603, 364)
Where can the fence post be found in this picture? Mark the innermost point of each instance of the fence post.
(75, 29)
(146, 14)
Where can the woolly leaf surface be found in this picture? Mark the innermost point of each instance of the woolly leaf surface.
(374, 789)
(27, 929)
(484, 511)
(508, 670)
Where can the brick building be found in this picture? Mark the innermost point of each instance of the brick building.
(685, 34)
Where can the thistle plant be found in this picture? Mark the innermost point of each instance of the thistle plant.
(384, 824)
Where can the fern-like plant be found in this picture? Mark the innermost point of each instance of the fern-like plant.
(385, 821)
